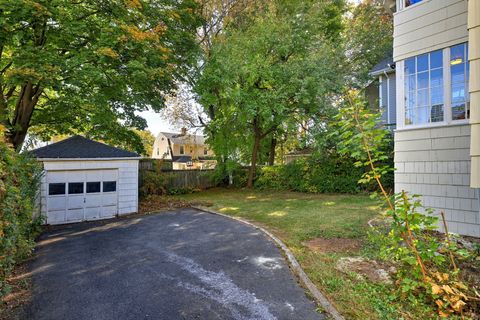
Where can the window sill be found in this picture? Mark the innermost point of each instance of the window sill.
(432, 126)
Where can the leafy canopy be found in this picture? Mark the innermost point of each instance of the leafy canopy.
(87, 66)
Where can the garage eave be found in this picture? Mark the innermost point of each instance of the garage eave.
(89, 159)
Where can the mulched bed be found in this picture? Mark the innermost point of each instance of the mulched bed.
(155, 203)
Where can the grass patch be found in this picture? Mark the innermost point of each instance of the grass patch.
(299, 217)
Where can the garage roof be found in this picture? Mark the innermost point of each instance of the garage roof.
(78, 147)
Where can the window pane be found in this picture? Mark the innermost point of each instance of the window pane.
(436, 78)
(93, 187)
(436, 113)
(410, 66)
(109, 186)
(458, 93)
(75, 187)
(458, 111)
(412, 100)
(56, 188)
(422, 98)
(411, 83)
(458, 73)
(421, 115)
(436, 95)
(410, 2)
(436, 59)
(422, 80)
(457, 54)
(422, 62)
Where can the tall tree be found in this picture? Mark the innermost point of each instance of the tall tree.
(279, 67)
(368, 38)
(89, 65)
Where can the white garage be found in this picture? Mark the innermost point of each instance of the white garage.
(86, 180)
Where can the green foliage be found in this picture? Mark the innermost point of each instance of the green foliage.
(19, 183)
(89, 66)
(262, 77)
(331, 174)
(423, 272)
(152, 183)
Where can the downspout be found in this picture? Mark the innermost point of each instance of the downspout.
(474, 59)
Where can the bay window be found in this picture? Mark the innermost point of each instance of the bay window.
(436, 86)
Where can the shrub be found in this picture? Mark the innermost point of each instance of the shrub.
(19, 183)
(316, 175)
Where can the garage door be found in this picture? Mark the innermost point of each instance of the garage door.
(74, 196)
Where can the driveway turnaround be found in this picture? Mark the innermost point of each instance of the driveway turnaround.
(184, 264)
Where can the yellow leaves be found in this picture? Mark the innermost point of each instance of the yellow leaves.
(108, 52)
(436, 289)
(136, 34)
(40, 10)
(133, 4)
(452, 295)
(23, 72)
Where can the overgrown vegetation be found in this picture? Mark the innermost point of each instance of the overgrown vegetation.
(19, 182)
(428, 271)
(332, 174)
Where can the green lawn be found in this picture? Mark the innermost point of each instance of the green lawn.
(297, 218)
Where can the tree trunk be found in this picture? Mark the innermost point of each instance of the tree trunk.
(252, 170)
(271, 155)
(27, 100)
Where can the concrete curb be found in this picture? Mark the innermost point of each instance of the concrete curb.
(297, 269)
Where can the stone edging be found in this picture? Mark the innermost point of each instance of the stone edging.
(295, 266)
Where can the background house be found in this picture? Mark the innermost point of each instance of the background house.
(186, 151)
(383, 93)
(435, 139)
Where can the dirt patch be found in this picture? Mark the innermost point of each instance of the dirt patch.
(11, 305)
(334, 245)
(160, 203)
(366, 269)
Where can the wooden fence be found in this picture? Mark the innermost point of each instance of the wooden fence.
(193, 179)
(176, 179)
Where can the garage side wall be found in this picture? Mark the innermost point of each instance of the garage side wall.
(127, 179)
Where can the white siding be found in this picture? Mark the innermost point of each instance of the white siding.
(435, 163)
(161, 148)
(127, 187)
(428, 26)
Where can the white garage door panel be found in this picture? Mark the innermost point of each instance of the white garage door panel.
(56, 203)
(82, 204)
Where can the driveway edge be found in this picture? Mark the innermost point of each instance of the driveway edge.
(297, 269)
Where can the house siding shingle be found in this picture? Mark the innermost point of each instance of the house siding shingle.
(435, 163)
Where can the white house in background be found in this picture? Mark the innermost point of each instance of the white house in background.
(437, 139)
(186, 151)
(86, 180)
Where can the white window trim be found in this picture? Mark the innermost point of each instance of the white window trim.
(447, 99)
(401, 5)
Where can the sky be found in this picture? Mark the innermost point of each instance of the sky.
(156, 123)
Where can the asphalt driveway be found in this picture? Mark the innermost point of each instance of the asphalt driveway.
(183, 264)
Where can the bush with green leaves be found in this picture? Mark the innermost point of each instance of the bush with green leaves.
(427, 268)
(316, 174)
(19, 183)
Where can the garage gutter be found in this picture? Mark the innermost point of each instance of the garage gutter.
(88, 159)
(474, 59)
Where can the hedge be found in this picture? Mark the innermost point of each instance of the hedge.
(315, 175)
(19, 183)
